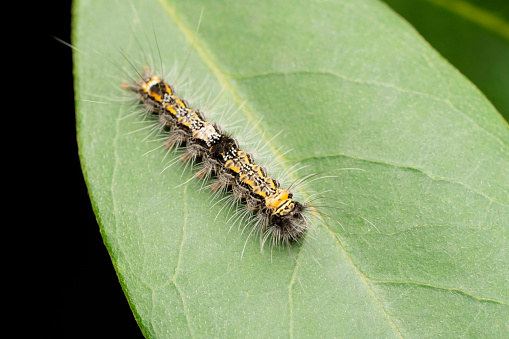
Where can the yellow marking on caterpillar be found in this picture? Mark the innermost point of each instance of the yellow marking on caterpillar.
(230, 164)
(269, 181)
(167, 88)
(259, 191)
(285, 208)
(186, 122)
(279, 202)
(171, 109)
(180, 103)
(156, 97)
(246, 181)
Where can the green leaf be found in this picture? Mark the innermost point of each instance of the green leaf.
(472, 34)
(421, 250)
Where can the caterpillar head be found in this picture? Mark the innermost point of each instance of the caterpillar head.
(290, 226)
(286, 223)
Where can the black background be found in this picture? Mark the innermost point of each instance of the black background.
(75, 287)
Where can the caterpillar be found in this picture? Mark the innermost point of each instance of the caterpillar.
(265, 203)
(279, 218)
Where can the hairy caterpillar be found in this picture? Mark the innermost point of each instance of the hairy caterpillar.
(275, 206)
(279, 217)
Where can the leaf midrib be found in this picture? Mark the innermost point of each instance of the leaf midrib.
(222, 80)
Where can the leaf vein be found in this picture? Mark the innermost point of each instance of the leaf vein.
(446, 288)
(377, 161)
(186, 309)
(445, 101)
(365, 279)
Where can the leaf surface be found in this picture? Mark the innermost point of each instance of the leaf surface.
(414, 239)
